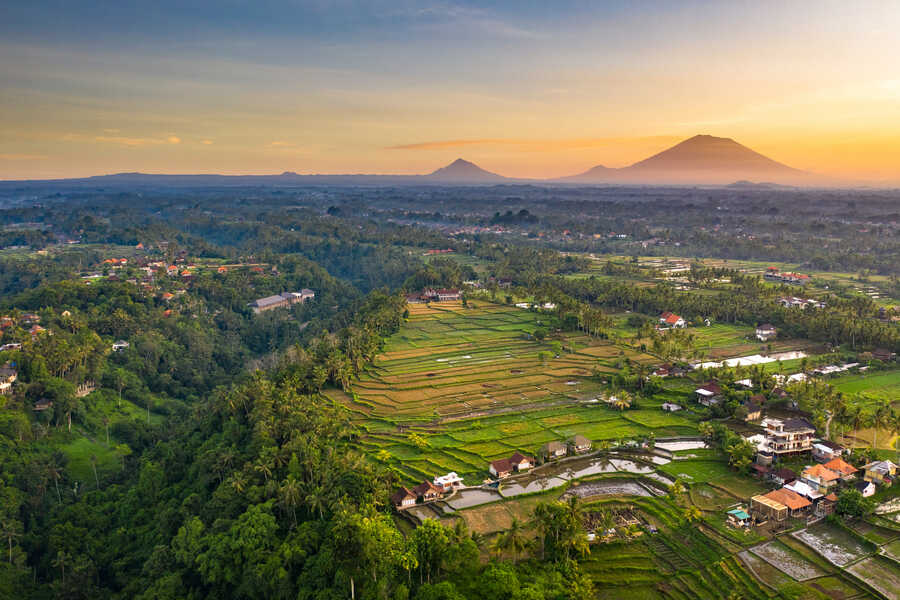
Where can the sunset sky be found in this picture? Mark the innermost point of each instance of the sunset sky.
(530, 89)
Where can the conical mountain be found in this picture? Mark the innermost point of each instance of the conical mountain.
(702, 159)
(463, 171)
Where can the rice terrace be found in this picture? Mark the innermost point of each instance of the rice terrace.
(476, 386)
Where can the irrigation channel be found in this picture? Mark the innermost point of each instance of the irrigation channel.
(557, 474)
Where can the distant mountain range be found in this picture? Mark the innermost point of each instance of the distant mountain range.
(700, 160)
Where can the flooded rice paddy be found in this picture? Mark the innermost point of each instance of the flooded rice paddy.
(835, 544)
(783, 558)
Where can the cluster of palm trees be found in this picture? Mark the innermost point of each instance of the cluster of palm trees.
(559, 529)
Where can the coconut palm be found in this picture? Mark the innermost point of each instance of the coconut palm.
(622, 400)
(515, 539)
(692, 513)
(881, 419)
(10, 529)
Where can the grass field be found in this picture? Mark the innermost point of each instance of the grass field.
(470, 383)
(80, 468)
(882, 385)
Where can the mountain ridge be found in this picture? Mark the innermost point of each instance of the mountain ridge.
(698, 160)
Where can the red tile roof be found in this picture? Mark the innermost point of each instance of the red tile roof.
(839, 465)
(792, 500)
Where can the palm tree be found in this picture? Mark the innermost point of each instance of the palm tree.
(264, 468)
(621, 400)
(881, 419)
(94, 466)
(238, 482)
(542, 519)
(317, 500)
(60, 561)
(53, 472)
(692, 513)
(11, 529)
(677, 488)
(290, 495)
(515, 539)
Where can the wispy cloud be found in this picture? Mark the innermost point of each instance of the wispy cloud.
(447, 15)
(207, 142)
(134, 142)
(534, 144)
(279, 144)
(15, 156)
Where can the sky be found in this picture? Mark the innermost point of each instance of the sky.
(525, 89)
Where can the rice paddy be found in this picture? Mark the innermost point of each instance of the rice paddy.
(458, 387)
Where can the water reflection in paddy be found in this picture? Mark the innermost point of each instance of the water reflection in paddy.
(472, 497)
(681, 445)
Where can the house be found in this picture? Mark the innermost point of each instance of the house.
(10, 346)
(804, 489)
(824, 450)
(795, 504)
(448, 482)
(552, 450)
(820, 477)
(826, 505)
(669, 319)
(37, 330)
(29, 319)
(501, 468)
(759, 470)
(880, 472)
(765, 332)
(120, 345)
(580, 444)
(8, 376)
(670, 407)
(282, 300)
(842, 468)
(754, 410)
(520, 462)
(866, 488)
(403, 498)
(42, 405)
(709, 393)
(782, 476)
(788, 436)
(414, 299)
(427, 491)
(883, 354)
(662, 371)
(447, 295)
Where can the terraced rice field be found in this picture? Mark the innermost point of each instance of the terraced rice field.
(880, 573)
(471, 383)
(835, 544)
(883, 385)
(787, 560)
